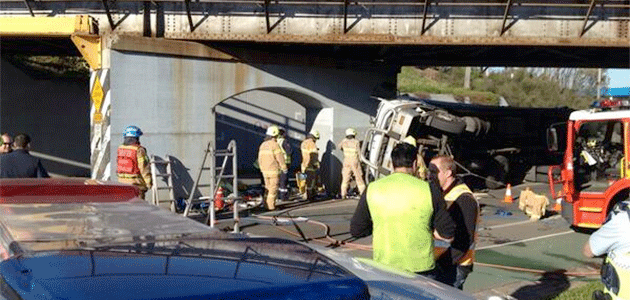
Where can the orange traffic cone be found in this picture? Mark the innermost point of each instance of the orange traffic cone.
(508, 194)
(557, 207)
(218, 199)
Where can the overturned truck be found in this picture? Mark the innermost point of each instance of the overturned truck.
(492, 145)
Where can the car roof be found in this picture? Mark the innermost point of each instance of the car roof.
(75, 245)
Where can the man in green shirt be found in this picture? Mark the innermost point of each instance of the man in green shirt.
(404, 214)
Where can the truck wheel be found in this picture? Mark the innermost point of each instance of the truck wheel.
(497, 173)
(518, 171)
(446, 122)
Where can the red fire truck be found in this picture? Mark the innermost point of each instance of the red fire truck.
(595, 173)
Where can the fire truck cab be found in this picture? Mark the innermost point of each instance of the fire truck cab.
(595, 173)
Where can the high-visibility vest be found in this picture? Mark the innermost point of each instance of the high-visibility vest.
(287, 156)
(401, 208)
(469, 257)
(616, 275)
(127, 162)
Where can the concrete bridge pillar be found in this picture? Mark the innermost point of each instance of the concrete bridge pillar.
(182, 103)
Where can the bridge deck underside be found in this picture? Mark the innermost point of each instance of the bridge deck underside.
(569, 33)
(356, 56)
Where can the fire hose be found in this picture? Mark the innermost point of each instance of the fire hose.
(329, 241)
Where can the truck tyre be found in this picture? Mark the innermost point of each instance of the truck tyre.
(445, 122)
(498, 169)
(518, 171)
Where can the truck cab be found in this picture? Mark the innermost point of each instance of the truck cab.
(492, 145)
(595, 173)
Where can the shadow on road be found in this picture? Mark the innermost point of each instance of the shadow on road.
(550, 285)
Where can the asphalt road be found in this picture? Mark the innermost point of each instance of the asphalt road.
(515, 256)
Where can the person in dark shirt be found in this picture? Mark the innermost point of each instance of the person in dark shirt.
(5, 144)
(457, 262)
(19, 163)
(404, 213)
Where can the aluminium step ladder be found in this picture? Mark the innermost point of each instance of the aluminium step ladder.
(207, 187)
(162, 176)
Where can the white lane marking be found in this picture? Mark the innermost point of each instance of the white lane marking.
(516, 223)
(525, 240)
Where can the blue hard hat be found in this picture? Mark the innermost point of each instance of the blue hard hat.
(132, 131)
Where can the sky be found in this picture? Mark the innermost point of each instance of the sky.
(619, 78)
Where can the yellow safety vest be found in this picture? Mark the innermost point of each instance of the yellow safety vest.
(287, 157)
(616, 275)
(469, 257)
(401, 209)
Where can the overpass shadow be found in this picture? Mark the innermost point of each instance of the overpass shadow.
(548, 286)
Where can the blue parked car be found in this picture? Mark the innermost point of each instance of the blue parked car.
(84, 239)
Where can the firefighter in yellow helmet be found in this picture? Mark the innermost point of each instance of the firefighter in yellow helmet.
(351, 164)
(421, 171)
(133, 166)
(272, 165)
(310, 163)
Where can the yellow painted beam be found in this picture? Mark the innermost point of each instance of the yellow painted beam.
(90, 48)
(47, 26)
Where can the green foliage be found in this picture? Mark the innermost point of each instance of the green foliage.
(51, 66)
(584, 292)
(519, 87)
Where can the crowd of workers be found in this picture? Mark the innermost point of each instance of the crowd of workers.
(404, 211)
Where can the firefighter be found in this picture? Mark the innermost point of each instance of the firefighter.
(272, 165)
(613, 241)
(310, 163)
(421, 171)
(133, 166)
(287, 151)
(457, 262)
(404, 213)
(351, 164)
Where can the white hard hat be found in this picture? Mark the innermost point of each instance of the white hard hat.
(273, 131)
(410, 140)
(315, 133)
(351, 131)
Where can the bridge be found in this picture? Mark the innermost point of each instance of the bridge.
(191, 71)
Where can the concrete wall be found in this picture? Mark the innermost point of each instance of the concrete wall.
(172, 99)
(52, 110)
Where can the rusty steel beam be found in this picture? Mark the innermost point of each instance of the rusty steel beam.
(567, 4)
(109, 14)
(266, 4)
(30, 9)
(380, 39)
(424, 16)
(190, 20)
(505, 15)
(345, 15)
(588, 14)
